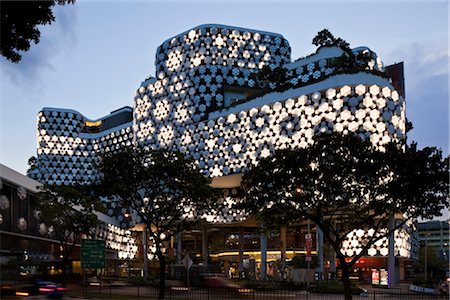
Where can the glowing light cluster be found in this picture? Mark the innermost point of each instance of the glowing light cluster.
(225, 210)
(117, 239)
(172, 110)
(67, 155)
(192, 69)
(183, 109)
(232, 143)
(358, 237)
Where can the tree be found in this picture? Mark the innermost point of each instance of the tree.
(163, 189)
(19, 24)
(32, 163)
(348, 60)
(68, 213)
(342, 184)
(430, 268)
(324, 38)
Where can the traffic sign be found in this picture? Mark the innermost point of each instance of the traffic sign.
(187, 262)
(93, 254)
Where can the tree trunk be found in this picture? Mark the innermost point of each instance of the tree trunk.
(346, 280)
(162, 274)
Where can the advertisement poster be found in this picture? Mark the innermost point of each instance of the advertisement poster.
(375, 277)
(383, 277)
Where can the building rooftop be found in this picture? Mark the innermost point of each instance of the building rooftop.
(433, 225)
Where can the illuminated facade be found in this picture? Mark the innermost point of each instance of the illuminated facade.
(208, 101)
(28, 240)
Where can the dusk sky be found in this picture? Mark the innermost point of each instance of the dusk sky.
(94, 57)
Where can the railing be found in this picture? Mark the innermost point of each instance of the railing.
(148, 292)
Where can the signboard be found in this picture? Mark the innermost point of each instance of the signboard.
(380, 277)
(383, 277)
(375, 277)
(308, 239)
(93, 254)
(187, 262)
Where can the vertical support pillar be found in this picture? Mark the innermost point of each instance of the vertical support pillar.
(263, 274)
(178, 241)
(283, 251)
(145, 250)
(205, 246)
(391, 254)
(241, 251)
(319, 247)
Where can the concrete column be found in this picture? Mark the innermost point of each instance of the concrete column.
(319, 247)
(241, 251)
(205, 246)
(145, 250)
(392, 279)
(263, 275)
(283, 251)
(178, 241)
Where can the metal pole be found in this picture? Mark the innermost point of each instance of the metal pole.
(426, 257)
(187, 270)
(205, 246)
(283, 251)
(391, 254)
(263, 254)
(145, 245)
(178, 241)
(308, 263)
(319, 245)
(241, 252)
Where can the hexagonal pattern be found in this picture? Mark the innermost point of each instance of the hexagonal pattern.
(195, 104)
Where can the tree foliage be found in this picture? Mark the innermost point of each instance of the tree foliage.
(32, 163)
(434, 267)
(162, 189)
(348, 60)
(324, 38)
(68, 212)
(268, 75)
(342, 183)
(19, 24)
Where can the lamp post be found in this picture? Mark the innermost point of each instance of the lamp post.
(426, 257)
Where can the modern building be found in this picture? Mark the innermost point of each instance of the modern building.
(436, 235)
(228, 96)
(28, 245)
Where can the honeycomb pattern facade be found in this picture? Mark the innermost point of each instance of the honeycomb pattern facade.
(206, 101)
(184, 108)
(403, 243)
(66, 154)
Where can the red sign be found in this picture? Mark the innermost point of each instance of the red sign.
(375, 277)
(308, 238)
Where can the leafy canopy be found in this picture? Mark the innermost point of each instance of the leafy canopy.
(348, 61)
(19, 25)
(163, 189)
(324, 38)
(343, 183)
(68, 211)
(342, 178)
